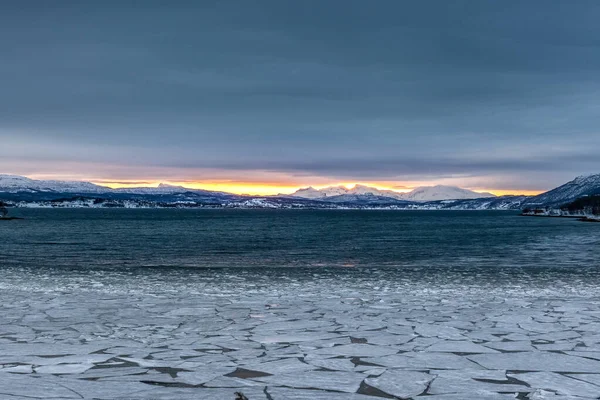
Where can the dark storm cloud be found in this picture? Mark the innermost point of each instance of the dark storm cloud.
(345, 89)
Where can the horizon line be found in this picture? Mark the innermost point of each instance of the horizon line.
(274, 190)
(258, 188)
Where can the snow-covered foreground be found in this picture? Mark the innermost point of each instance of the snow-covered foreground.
(208, 334)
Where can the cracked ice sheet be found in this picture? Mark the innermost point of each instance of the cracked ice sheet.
(334, 364)
(357, 350)
(591, 378)
(541, 394)
(202, 375)
(293, 337)
(511, 346)
(278, 393)
(162, 393)
(459, 347)
(47, 349)
(99, 389)
(100, 373)
(402, 384)
(285, 366)
(465, 382)
(423, 361)
(63, 369)
(51, 387)
(76, 359)
(227, 382)
(198, 327)
(479, 395)
(348, 382)
(439, 331)
(538, 361)
(38, 387)
(558, 383)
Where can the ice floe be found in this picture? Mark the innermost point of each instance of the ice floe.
(314, 338)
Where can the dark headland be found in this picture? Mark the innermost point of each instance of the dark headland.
(4, 213)
(586, 208)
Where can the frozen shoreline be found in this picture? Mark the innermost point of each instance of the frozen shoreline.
(559, 214)
(206, 336)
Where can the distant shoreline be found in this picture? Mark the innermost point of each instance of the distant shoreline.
(191, 208)
(583, 218)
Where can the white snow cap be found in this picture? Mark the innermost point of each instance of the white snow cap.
(423, 193)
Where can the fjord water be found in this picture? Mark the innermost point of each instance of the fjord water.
(479, 241)
(304, 305)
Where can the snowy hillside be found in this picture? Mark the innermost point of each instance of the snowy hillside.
(584, 185)
(162, 188)
(486, 203)
(21, 184)
(441, 192)
(420, 194)
(15, 184)
(312, 193)
(359, 190)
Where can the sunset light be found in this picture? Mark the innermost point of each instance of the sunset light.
(275, 188)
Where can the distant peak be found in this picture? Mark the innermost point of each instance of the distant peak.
(586, 177)
(11, 176)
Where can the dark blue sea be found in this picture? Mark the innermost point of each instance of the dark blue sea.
(403, 241)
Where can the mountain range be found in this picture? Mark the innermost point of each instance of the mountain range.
(20, 184)
(17, 184)
(585, 185)
(25, 192)
(419, 194)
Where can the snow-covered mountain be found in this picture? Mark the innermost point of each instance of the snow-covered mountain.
(162, 188)
(312, 193)
(441, 192)
(584, 185)
(420, 194)
(487, 203)
(332, 191)
(21, 184)
(15, 184)
(361, 190)
(366, 198)
(21, 190)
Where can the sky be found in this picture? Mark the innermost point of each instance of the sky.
(267, 96)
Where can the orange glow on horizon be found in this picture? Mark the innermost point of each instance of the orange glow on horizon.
(274, 188)
(251, 188)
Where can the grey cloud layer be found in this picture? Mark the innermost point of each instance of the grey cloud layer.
(332, 88)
